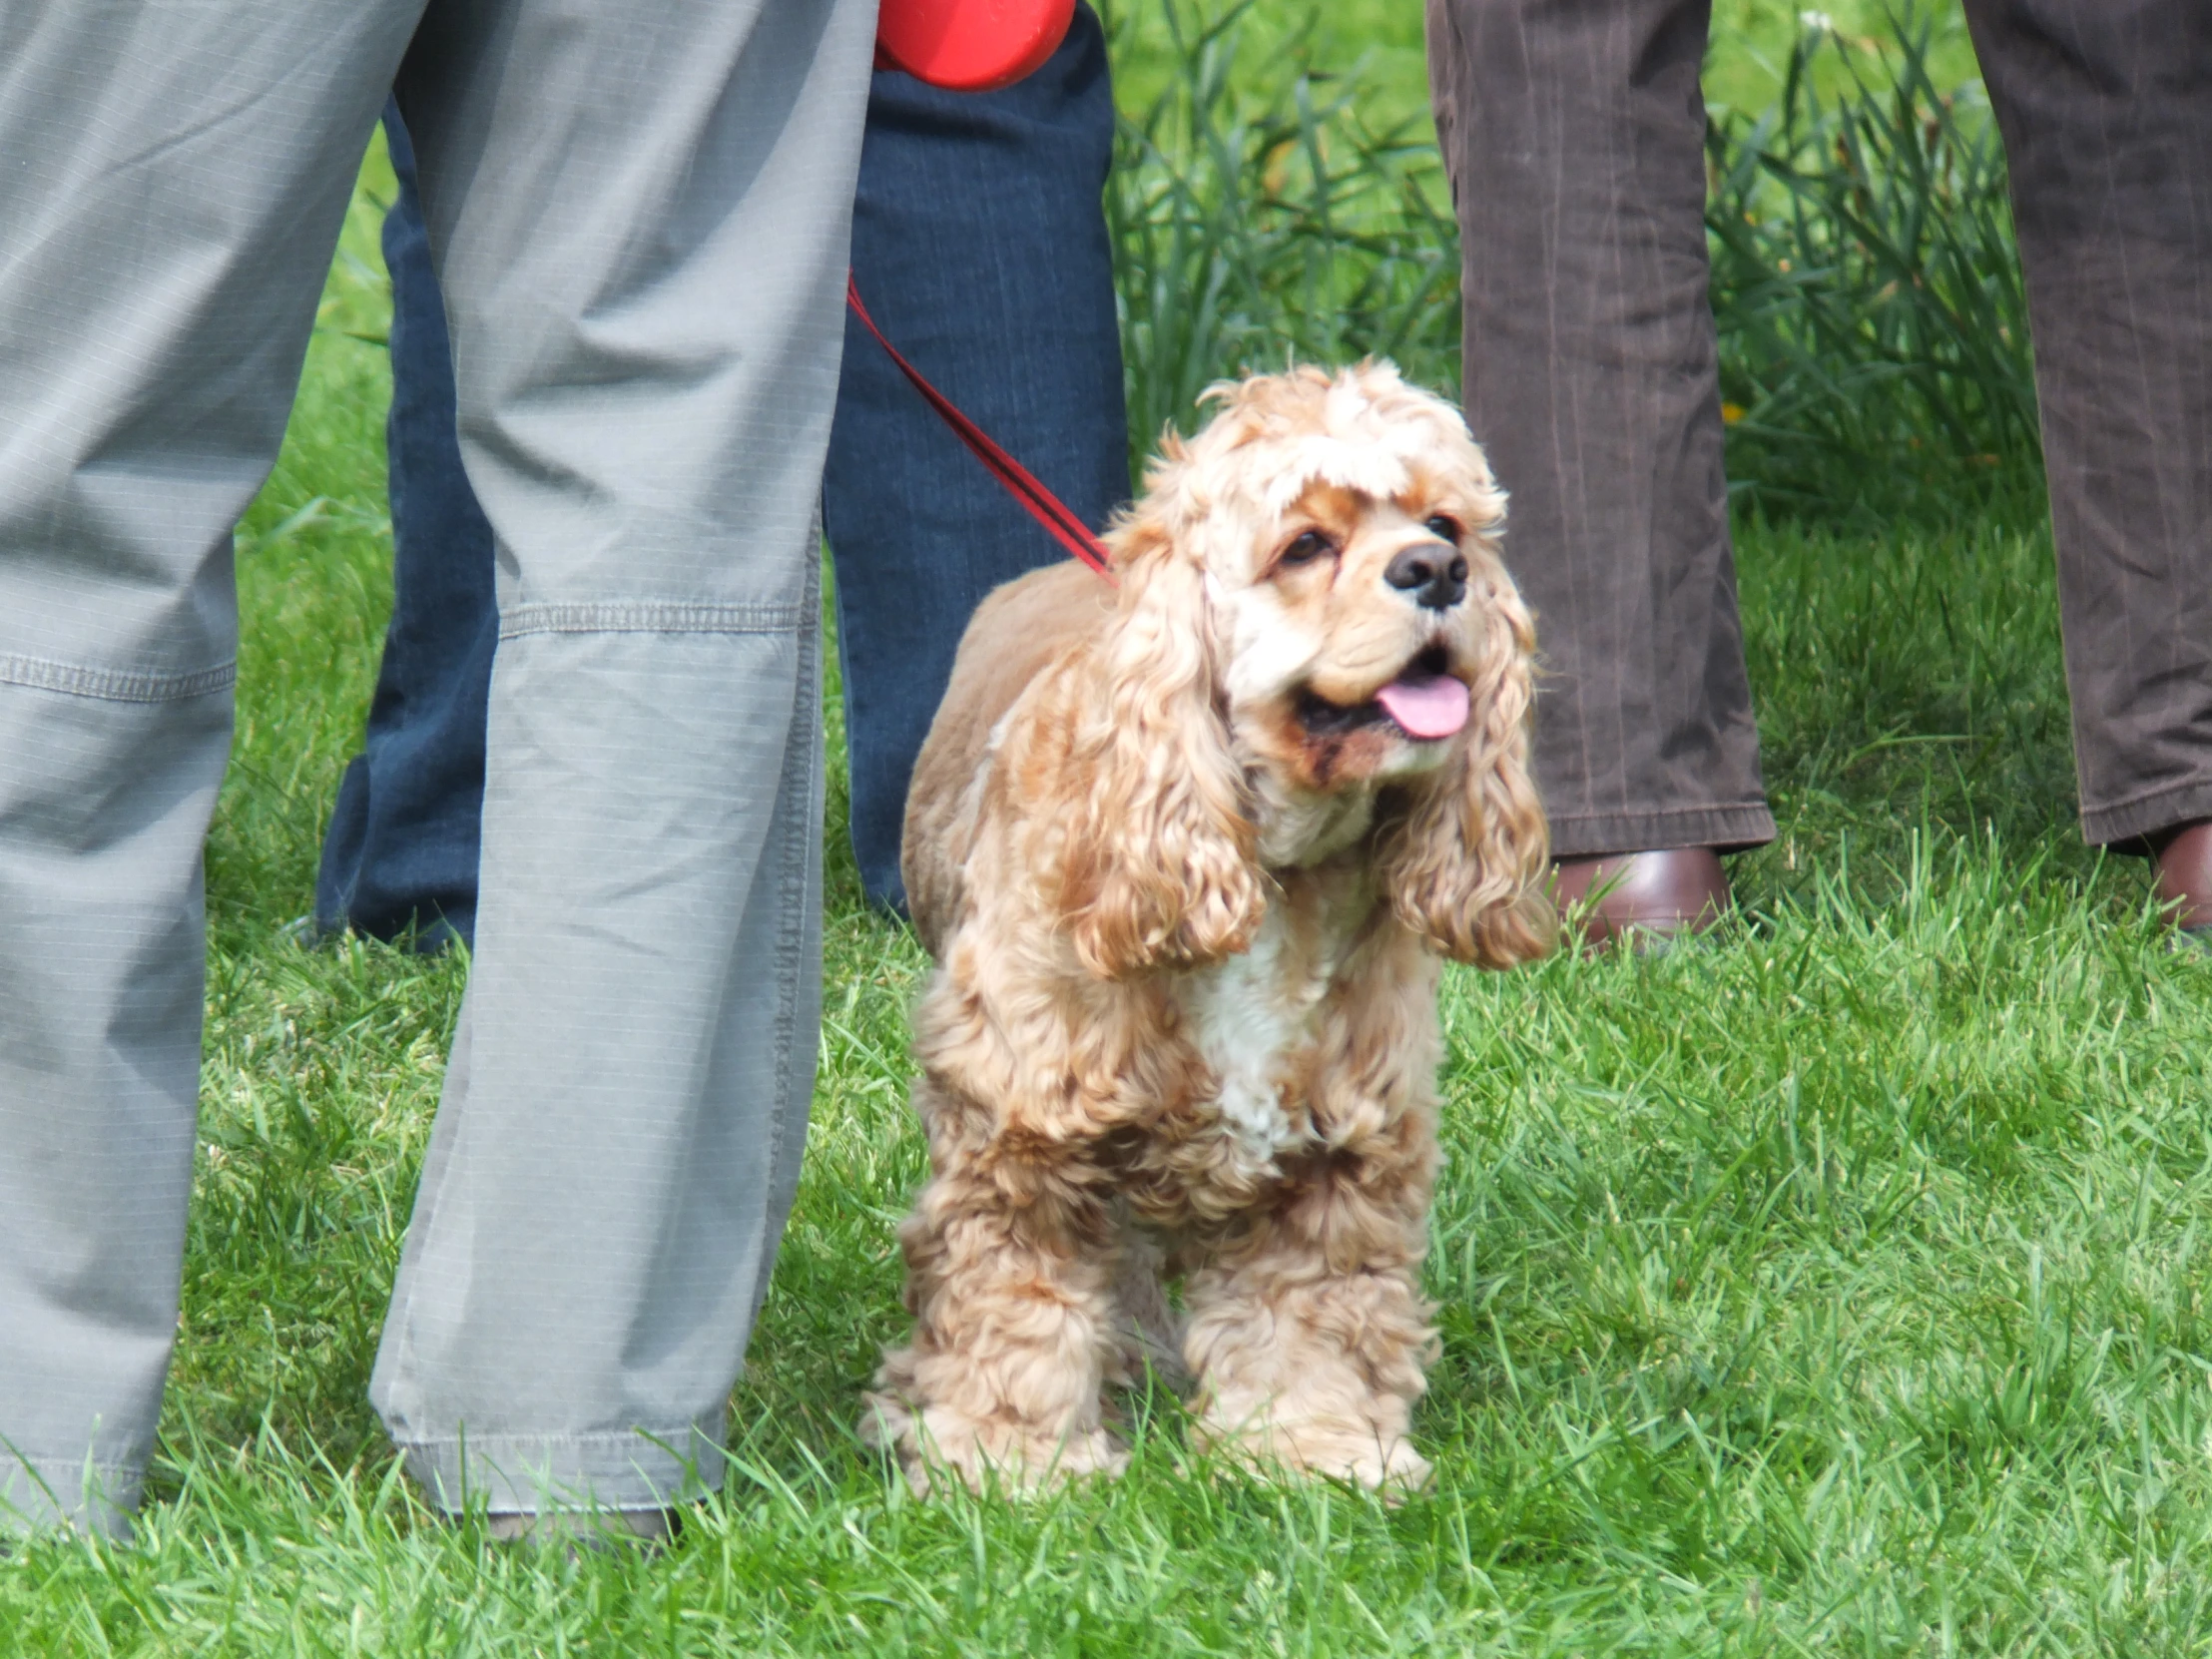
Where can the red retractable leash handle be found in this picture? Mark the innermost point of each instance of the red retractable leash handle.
(969, 45)
(1057, 517)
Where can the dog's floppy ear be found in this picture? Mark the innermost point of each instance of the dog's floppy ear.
(1465, 866)
(1160, 865)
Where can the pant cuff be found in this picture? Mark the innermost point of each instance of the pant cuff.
(1725, 829)
(504, 1474)
(38, 1494)
(2146, 816)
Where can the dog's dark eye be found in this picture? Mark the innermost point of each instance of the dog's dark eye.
(1444, 528)
(1305, 547)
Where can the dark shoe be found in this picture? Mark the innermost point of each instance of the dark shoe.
(579, 1530)
(1658, 895)
(2185, 878)
(306, 934)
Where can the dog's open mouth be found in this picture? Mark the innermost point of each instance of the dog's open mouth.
(1423, 702)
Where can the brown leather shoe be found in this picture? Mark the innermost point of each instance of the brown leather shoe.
(1658, 895)
(2185, 878)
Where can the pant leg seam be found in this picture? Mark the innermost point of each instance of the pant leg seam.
(13, 1456)
(588, 1437)
(1593, 834)
(114, 685)
(2146, 814)
(792, 940)
(649, 617)
(2145, 797)
(1662, 813)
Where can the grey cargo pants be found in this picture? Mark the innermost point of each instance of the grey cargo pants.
(640, 214)
(1573, 133)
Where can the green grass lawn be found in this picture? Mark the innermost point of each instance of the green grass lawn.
(1836, 1288)
(1380, 41)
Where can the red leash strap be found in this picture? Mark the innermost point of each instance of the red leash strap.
(1047, 509)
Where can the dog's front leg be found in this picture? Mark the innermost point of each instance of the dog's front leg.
(1010, 1277)
(1308, 1332)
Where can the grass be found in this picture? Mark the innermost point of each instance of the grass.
(1377, 43)
(1872, 322)
(1259, 219)
(1277, 197)
(1836, 1289)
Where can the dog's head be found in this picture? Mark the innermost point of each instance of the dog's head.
(1315, 644)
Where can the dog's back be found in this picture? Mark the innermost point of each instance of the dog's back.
(1019, 629)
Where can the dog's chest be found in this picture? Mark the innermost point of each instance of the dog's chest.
(1254, 1018)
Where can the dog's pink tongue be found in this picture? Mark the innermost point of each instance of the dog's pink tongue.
(1427, 709)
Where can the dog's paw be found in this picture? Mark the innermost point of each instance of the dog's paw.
(932, 1442)
(888, 1424)
(1357, 1453)
(1395, 1470)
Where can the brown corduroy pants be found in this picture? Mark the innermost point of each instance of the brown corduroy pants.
(1573, 132)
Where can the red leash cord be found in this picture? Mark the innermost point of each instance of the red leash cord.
(1057, 517)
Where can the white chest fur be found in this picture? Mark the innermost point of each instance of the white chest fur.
(1251, 1015)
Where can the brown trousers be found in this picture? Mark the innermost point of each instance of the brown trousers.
(1573, 132)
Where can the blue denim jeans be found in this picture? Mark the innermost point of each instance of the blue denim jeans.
(980, 247)
(401, 847)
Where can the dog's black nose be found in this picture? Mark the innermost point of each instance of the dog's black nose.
(1433, 572)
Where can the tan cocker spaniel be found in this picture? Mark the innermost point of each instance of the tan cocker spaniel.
(1186, 850)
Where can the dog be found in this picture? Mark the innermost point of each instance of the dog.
(1187, 849)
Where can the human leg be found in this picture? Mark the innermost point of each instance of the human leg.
(2106, 111)
(978, 231)
(1573, 135)
(645, 381)
(401, 849)
(980, 246)
(176, 181)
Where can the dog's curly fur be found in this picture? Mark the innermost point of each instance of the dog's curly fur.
(1187, 882)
